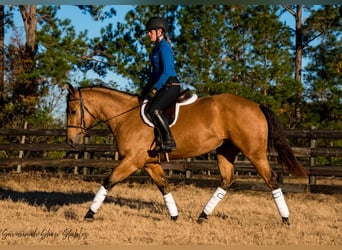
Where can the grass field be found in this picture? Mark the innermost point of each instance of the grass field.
(49, 211)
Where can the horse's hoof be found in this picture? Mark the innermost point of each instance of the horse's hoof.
(202, 218)
(89, 216)
(285, 221)
(174, 218)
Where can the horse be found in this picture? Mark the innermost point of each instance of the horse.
(226, 123)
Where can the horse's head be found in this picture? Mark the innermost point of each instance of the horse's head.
(79, 118)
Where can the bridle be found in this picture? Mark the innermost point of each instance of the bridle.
(84, 108)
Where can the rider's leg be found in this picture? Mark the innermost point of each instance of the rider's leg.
(168, 143)
(164, 98)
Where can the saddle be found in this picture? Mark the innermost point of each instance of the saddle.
(171, 112)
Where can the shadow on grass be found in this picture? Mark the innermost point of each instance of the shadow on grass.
(52, 201)
(136, 204)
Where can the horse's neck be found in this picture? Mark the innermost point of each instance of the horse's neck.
(110, 104)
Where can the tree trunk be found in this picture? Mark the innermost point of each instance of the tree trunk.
(298, 64)
(27, 85)
(2, 53)
(28, 13)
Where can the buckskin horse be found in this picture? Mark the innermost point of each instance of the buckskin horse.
(226, 123)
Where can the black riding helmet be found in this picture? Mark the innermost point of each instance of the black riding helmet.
(156, 23)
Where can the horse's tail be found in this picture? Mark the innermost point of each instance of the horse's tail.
(277, 142)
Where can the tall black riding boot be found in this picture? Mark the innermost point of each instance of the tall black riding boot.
(168, 143)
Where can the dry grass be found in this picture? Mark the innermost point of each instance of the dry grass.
(49, 211)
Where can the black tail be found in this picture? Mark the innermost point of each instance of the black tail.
(277, 142)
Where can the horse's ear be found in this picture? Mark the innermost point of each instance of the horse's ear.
(70, 88)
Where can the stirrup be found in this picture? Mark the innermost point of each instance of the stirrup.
(162, 148)
(169, 147)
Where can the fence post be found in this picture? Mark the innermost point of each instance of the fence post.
(76, 167)
(188, 172)
(313, 144)
(86, 155)
(280, 178)
(21, 152)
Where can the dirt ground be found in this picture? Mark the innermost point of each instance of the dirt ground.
(38, 210)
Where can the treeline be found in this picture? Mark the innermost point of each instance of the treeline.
(245, 50)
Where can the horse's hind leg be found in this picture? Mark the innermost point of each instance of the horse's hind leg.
(225, 158)
(158, 175)
(270, 178)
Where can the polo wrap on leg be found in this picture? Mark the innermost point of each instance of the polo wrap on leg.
(171, 205)
(217, 196)
(98, 199)
(280, 203)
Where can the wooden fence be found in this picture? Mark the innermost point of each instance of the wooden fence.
(45, 150)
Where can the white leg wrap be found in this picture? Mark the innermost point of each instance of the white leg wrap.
(171, 204)
(98, 199)
(214, 200)
(281, 203)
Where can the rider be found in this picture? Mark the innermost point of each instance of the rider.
(163, 85)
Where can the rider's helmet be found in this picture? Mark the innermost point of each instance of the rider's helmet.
(156, 23)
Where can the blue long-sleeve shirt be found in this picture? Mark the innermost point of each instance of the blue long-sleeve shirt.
(162, 64)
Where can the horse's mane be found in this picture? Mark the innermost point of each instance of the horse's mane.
(106, 89)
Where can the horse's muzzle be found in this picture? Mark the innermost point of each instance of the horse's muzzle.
(71, 143)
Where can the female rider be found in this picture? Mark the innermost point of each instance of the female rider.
(162, 83)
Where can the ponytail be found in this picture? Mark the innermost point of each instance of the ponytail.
(167, 39)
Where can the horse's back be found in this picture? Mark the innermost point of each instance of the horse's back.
(231, 106)
(232, 100)
(233, 117)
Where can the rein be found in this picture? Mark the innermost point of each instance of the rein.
(83, 126)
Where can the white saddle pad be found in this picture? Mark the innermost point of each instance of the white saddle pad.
(192, 99)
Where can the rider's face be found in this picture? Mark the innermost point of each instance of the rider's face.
(153, 34)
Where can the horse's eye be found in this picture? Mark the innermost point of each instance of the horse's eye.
(73, 112)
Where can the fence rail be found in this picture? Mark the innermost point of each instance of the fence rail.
(93, 157)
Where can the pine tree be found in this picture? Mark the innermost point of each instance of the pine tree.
(324, 71)
(125, 49)
(44, 60)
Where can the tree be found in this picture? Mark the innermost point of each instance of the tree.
(297, 12)
(238, 49)
(324, 71)
(319, 22)
(2, 51)
(203, 57)
(46, 58)
(5, 21)
(123, 49)
(269, 71)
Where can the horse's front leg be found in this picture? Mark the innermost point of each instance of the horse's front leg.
(158, 175)
(122, 171)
